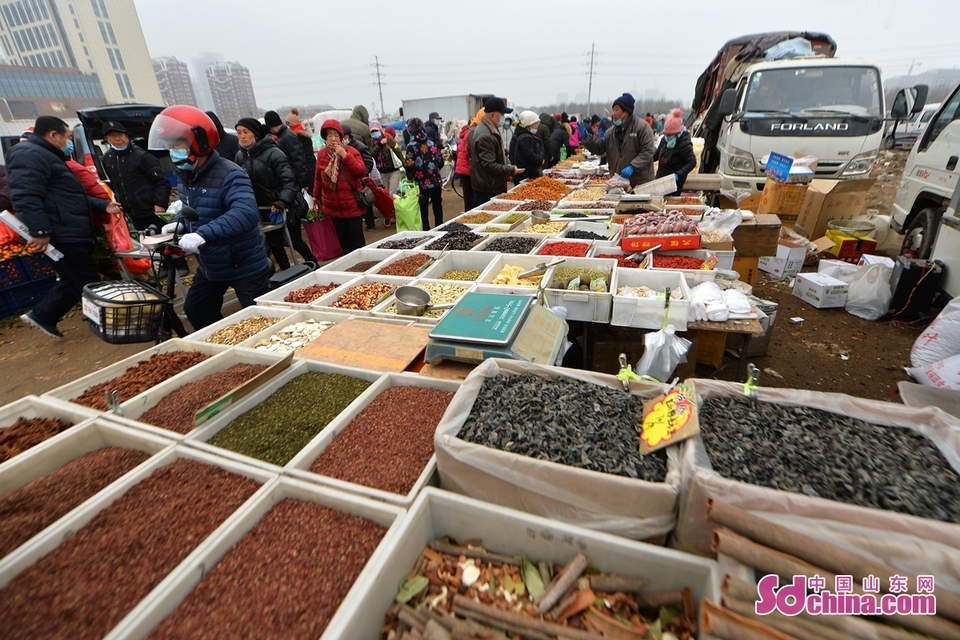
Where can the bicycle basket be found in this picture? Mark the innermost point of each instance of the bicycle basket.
(123, 312)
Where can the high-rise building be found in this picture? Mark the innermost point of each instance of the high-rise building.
(232, 92)
(200, 86)
(29, 92)
(173, 76)
(93, 36)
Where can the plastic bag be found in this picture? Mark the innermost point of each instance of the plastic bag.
(736, 302)
(737, 195)
(323, 239)
(706, 304)
(720, 222)
(618, 182)
(939, 340)
(407, 208)
(663, 351)
(870, 295)
(119, 239)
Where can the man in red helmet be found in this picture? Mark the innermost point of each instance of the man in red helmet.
(230, 249)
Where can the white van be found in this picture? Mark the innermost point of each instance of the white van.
(928, 187)
(905, 134)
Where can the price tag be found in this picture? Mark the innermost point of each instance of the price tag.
(90, 310)
(669, 419)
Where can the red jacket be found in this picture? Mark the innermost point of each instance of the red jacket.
(89, 181)
(339, 201)
(463, 156)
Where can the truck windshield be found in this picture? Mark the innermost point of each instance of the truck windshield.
(813, 90)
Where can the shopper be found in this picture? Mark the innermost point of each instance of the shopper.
(371, 165)
(544, 129)
(138, 182)
(305, 137)
(462, 167)
(675, 152)
(227, 241)
(432, 127)
(289, 143)
(388, 156)
(489, 170)
(423, 163)
(526, 150)
(340, 170)
(274, 186)
(228, 145)
(4, 190)
(628, 143)
(51, 202)
(359, 123)
(559, 139)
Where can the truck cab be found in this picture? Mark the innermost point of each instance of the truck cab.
(830, 108)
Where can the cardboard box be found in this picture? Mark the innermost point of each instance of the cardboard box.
(782, 168)
(747, 267)
(821, 291)
(848, 246)
(782, 199)
(788, 261)
(677, 242)
(724, 245)
(828, 200)
(750, 203)
(757, 237)
(868, 259)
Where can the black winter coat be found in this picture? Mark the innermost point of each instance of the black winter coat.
(368, 160)
(526, 151)
(289, 143)
(5, 204)
(46, 195)
(228, 145)
(309, 157)
(547, 124)
(137, 180)
(558, 140)
(270, 172)
(680, 160)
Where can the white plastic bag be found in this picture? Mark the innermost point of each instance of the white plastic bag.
(722, 221)
(662, 352)
(706, 303)
(941, 339)
(870, 295)
(736, 301)
(942, 374)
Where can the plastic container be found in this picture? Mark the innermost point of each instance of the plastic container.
(437, 513)
(325, 315)
(501, 220)
(276, 297)
(642, 313)
(76, 388)
(21, 297)
(244, 314)
(360, 255)
(459, 261)
(12, 272)
(599, 249)
(37, 266)
(326, 302)
(198, 437)
(42, 407)
(611, 231)
(299, 467)
(165, 598)
(658, 187)
(429, 236)
(586, 244)
(693, 276)
(586, 306)
(515, 260)
(138, 405)
(380, 311)
(123, 312)
(399, 255)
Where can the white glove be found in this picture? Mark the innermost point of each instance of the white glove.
(192, 242)
(171, 227)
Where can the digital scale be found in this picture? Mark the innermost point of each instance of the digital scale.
(497, 325)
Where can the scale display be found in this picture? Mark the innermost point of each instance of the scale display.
(487, 318)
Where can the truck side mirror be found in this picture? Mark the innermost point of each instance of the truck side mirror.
(728, 102)
(908, 102)
(921, 101)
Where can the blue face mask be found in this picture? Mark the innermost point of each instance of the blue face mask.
(116, 148)
(618, 123)
(671, 141)
(179, 157)
(68, 150)
(376, 135)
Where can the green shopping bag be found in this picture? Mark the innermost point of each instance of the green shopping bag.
(407, 207)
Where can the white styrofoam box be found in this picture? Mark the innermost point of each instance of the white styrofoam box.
(54, 535)
(437, 513)
(74, 389)
(380, 311)
(611, 231)
(405, 235)
(460, 261)
(541, 250)
(514, 260)
(478, 211)
(586, 306)
(324, 315)
(198, 438)
(275, 298)
(43, 407)
(491, 237)
(629, 311)
(360, 255)
(327, 301)
(299, 467)
(600, 248)
(168, 595)
(138, 405)
(821, 291)
(693, 276)
(199, 337)
(399, 255)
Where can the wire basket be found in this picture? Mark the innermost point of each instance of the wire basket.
(123, 312)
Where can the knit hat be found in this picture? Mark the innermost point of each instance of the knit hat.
(253, 125)
(390, 131)
(272, 119)
(528, 118)
(293, 117)
(375, 126)
(595, 119)
(625, 102)
(673, 125)
(414, 126)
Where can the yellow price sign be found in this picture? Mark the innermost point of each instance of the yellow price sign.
(669, 419)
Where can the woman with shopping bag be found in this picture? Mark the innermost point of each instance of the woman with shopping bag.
(337, 184)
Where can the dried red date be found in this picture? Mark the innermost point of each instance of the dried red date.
(137, 379)
(26, 433)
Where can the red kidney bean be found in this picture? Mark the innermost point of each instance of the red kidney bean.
(139, 378)
(285, 578)
(389, 443)
(86, 586)
(572, 249)
(27, 511)
(26, 433)
(677, 262)
(405, 266)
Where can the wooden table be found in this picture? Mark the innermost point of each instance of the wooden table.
(748, 327)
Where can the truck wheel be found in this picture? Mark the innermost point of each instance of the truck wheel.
(889, 142)
(920, 236)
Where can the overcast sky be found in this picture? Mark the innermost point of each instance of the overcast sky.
(309, 51)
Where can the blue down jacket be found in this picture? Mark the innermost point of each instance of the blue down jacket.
(222, 196)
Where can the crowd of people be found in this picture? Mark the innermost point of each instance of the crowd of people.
(246, 187)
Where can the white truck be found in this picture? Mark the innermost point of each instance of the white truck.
(925, 209)
(747, 106)
(463, 107)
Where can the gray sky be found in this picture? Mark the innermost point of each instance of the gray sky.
(308, 52)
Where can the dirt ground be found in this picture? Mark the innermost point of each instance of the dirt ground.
(830, 350)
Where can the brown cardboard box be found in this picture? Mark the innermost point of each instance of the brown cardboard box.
(712, 346)
(747, 267)
(757, 237)
(726, 245)
(831, 200)
(783, 199)
(747, 204)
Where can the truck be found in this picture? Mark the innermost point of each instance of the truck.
(747, 105)
(928, 196)
(462, 107)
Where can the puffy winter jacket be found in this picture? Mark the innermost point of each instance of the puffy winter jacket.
(463, 153)
(309, 158)
(91, 185)
(137, 180)
(289, 143)
(381, 154)
(338, 200)
(489, 170)
(359, 123)
(680, 160)
(5, 204)
(221, 194)
(558, 140)
(270, 172)
(547, 124)
(526, 151)
(228, 145)
(424, 161)
(634, 146)
(46, 195)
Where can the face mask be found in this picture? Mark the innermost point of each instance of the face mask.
(247, 146)
(618, 123)
(671, 141)
(179, 158)
(376, 135)
(116, 148)
(68, 150)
